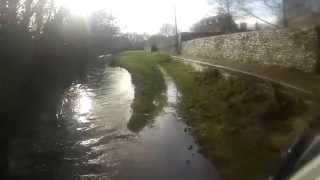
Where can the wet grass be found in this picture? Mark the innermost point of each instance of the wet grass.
(149, 86)
(242, 126)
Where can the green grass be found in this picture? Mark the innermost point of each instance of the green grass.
(149, 85)
(242, 126)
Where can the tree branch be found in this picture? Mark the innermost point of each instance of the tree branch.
(257, 17)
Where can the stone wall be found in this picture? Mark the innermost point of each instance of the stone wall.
(287, 48)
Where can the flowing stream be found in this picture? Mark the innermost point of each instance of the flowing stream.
(88, 137)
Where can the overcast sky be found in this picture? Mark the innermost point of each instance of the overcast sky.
(147, 16)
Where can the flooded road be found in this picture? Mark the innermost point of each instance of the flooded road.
(88, 138)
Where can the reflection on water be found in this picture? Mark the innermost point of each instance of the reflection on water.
(173, 94)
(84, 104)
(91, 139)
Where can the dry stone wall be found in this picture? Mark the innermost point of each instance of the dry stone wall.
(284, 47)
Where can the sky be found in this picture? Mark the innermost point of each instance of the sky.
(146, 16)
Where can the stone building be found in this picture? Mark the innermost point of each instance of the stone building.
(302, 13)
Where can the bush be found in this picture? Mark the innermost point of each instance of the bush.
(154, 48)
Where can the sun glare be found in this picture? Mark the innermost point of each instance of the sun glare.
(79, 7)
(133, 15)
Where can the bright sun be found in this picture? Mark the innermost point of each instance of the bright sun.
(80, 7)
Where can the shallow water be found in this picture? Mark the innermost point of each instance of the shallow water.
(88, 138)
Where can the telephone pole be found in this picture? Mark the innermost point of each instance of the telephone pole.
(175, 20)
(177, 43)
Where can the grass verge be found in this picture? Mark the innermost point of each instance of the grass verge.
(242, 126)
(149, 86)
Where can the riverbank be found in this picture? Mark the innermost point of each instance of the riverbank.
(149, 86)
(242, 126)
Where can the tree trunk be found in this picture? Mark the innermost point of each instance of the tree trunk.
(27, 14)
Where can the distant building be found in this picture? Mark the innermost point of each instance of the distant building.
(302, 12)
(220, 24)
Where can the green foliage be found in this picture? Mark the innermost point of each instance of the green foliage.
(50, 51)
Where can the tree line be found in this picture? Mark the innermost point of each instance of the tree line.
(43, 49)
(42, 46)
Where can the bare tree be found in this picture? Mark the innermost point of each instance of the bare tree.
(228, 7)
(277, 9)
(40, 13)
(230, 10)
(273, 7)
(243, 8)
(27, 14)
(103, 31)
(221, 24)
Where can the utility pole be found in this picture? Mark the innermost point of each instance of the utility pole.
(284, 13)
(177, 42)
(175, 20)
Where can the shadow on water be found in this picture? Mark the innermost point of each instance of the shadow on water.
(139, 121)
